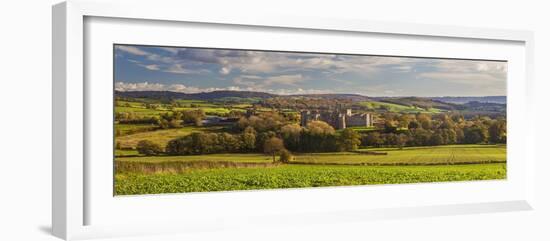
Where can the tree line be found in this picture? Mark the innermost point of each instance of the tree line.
(278, 134)
(432, 130)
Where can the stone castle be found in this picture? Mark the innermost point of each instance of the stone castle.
(337, 119)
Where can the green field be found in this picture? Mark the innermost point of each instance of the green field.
(160, 137)
(407, 156)
(407, 165)
(363, 129)
(415, 155)
(127, 129)
(140, 111)
(239, 157)
(391, 107)
(298, 176)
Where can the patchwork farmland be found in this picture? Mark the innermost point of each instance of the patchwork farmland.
(169, 143)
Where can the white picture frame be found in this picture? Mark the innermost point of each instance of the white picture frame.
(73, 185)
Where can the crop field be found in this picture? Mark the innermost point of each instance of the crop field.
(299, 176)
(237, 157)
(407, 165)
(210, 110)
(127, 129)
(160, 137)
(414, 155)
(126, 153)
(140, 111)
(451, 154)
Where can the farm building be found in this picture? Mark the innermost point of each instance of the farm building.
(216, 120)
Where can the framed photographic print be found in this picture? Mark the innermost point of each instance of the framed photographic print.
(207, 122)
(191, 119)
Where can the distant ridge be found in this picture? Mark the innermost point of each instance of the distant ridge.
(445, 102)
(465, 99)
(353, 97)
(196, 96)
(228, 93)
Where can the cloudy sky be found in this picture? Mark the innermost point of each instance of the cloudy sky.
(192, 70)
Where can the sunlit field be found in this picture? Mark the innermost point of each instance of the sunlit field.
(299, 176)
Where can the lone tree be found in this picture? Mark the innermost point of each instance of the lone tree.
(273, 145)
(148, 148)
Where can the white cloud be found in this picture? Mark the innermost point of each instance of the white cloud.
(284, 79)
(176, 69)
(468, 72)
(259, 82)
(265, 71)
(146, 86)
(225, 70)
(132, 50)
(151, 67)
(170, 50)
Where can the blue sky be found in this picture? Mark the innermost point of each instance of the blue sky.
(193, 70)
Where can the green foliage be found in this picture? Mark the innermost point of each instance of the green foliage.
(273, 146)
(475, 134)
(285, 156)
(298, 176)
(373, 139)
(204, 143)
(266, 121)
(318, 136)
(413, 125)
(249, 138)
(148, 148)
(497, 131)
(349, 140)
(291, 135)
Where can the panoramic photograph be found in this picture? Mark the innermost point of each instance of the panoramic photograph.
(190, 119)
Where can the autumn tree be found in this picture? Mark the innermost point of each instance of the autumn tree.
(349, 140)
(291, 135)
(401, 140)
(285, 156)
(273, 146)
(373, 139)
(249, 138)
(148, 148)
(497, 131)
(475, 134)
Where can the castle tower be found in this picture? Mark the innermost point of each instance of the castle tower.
(341, 122)
(304, 117)
(369, 119)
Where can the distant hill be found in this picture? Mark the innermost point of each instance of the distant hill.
(167, 95)
(223, 94)
(470, 105)
(464, 100)
(352, 97)
(422, 102)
